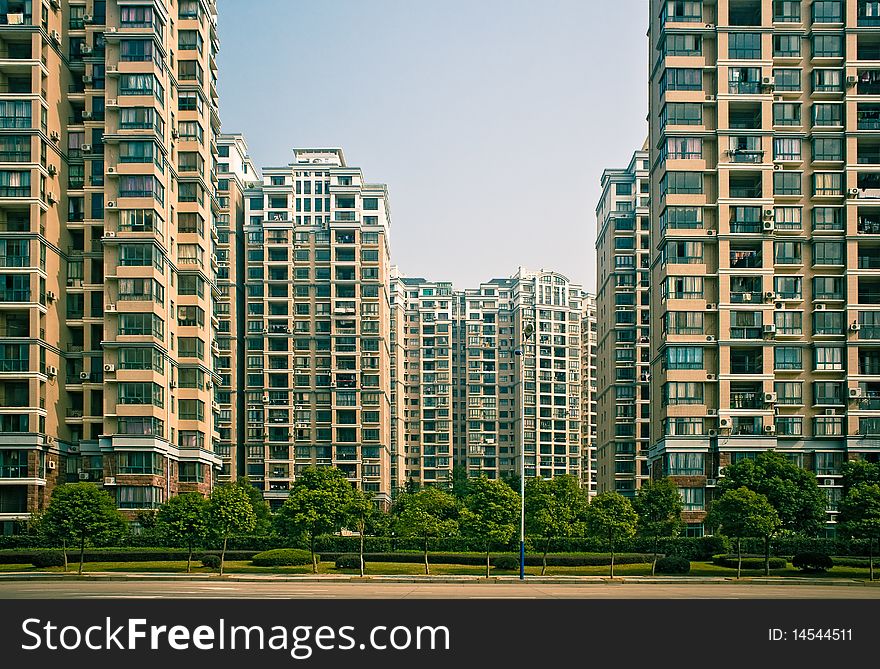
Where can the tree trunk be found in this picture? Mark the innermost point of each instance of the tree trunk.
(611, 541)
(766, 556)
(654, 560)
(314, 557)
(739, 558)
(189, 558)
(223, 555)
(427, 569)
(362, 550)
(82, 552)
(64, 551)
(487, 562)
(544, 558)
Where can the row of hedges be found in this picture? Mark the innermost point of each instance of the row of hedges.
(479, 559)
(119, 555)
(748, 561)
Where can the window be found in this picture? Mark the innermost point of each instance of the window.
(681, 79)
(828, 358)
(677, 392)
(789, 426)
(787, 79)
(788, 357)
(15, 114)
(787, 113)
(828, 323)
(676, 218)
(139, 463)
(789, 322)
(828, 288)
(141, 324)
(788, 287)
(827, 11)
(692, 499)
(681, 183)
(685, 464)
(786, 182)
(789, 392)
(138, 497)
(827, 218)
(683, 148)
(140, 84)
(828, 148)
(828, 183)
(787, 148)
(744, 46)
(683, 287)
(786, 46)
(827, 114)
(684, 357)
(681, 113)
(684, 322)
(683, 252)
(787, 218)
(683, 45)
(685, 11)
(828, 253)
(828, 81)
(15, 184)
(191, 409)
(786, 11)
(132, 392)
(827, 46)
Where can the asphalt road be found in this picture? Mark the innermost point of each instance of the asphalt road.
(474, 590)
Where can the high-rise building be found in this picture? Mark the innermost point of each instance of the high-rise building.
(107, 217)
(318, 321)
(623, 327)
(236, 173)
(589, 394)
(765, 195)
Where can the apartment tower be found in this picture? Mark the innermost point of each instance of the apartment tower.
(765, 194)
(318, 318)
(623, 327)
(589, 394)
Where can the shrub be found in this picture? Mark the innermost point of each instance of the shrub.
(812, 562)
(282, 557)
(211, 561)
(748, 561)
(48, 559)
(479, 559)
(673, 565)
(349, 561)
(508, 562)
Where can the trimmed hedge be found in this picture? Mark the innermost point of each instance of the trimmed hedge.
(283, 557)
(748, 561)
(812, 562)
(120, 555)
(211, 561)
(48, 559)
(673, 565)
(508, 562)
(479, 559)
(349, 561)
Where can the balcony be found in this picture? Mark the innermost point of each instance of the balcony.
(746, 400)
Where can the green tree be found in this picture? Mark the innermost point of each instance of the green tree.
(360, 511)
(490, 515)
(81, 513)
(426, 514)
(610, 515)
(555, 509)
(743, 513)
(262, 512)
(183, 520)
(860, 516)
(459, 484)
(317, 505)
(791, 490)
(658, 506)
(859, 471)
(230, 513)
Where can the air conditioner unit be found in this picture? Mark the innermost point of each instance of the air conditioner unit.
(852, 80)
(83, 476)
(56, 4)
(769, 398)
(86, 148)
(746, 297)
(86, 50)
(111, 307)
(51, 370)
(712, 432)
(109, 367)
(645, 377)
(710, 97)
(853, 192)
(51, 464)
(265, 399)
(777, 166)
(819, 307)
(112, 69)
(710, 377)
(84, 376)
(56, 36)
(769, 295)
(768, 213)
(215, 406)
(855, 327)
(711, 306)
(111, 170)
(52, 170)
(711, 412)
(54, 136)
(109, 480)
(88, 18)
(209, 384)
(710, 232)
(769, 429)
(830, 412)
(50, 295)
(110, 29)
(828, 481)
(111, 102)
(768, 81)
(778, 98)
(175, 134)
(710, 337)
(855, 393)
(769, 329)
(769, 226)
(51, 198)
(109, 233)
(73, 448)
(87, 78)
(779, 305)
(111, 204)
(644, 340)
(725, 422)
(711, 482)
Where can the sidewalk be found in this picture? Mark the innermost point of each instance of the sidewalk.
(333, 578)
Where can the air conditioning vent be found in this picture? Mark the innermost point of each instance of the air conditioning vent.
(819, 307)
(83, 476)
(770, 398)
(769, 329)
(109, 367)
(768, 213)
(830, 412)
(111, 204)
(52, 170)
(51, 370)
(711, 412)
(855, 327)
(710, 337)
(725, 422)
(855, 393)
(84, 376)
(711, 482)
(769, 429)
(109, 480)
(769, 226)
(711, 377)
(711, 306)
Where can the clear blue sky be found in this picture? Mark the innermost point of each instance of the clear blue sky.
(490, 120)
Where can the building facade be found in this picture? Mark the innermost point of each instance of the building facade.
(765, 203)
(589, 394)
(108, 209)
(318, 323)
(623, 327)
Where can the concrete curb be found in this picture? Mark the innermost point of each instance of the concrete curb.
(329, 579)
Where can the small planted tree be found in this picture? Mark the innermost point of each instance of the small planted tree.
(183, 520)
(318, 503)
(360, 512)
(658, 505)
(610, 516)
(427, 514)
(490, 515)
(743, 513)
(860, 516)
(229, 513)
(81, 513)
(262, 513)
(555, 509)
